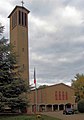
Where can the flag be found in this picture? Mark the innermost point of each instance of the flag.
(34, 77)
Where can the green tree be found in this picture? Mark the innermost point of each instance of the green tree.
(81, 106)
(12, 86)
(1, 29)
(78, 85)
(43, 86)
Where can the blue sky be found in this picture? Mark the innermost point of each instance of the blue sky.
(56, 38)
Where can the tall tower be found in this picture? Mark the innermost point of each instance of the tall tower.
(19, 38)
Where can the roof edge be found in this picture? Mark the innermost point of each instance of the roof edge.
(18, 7)
(55, 85)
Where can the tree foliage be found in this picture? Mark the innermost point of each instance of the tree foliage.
(1, 29)
(78, 85)
(42, 86)
(81, 106)
(12, 86)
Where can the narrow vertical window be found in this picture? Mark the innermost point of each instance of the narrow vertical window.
(19, 17)
(25, 19)
(22, 49)
(62, 95)
(22, 19)
(66, 96)
(14, 20)
(23, 65)
(56, 95)
(59, 95)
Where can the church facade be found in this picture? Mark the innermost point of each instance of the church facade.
(52, 98)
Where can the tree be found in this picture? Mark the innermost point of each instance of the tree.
(81, 106)
(12, 86)
(78, 85)
(42, 86)
(1, 29)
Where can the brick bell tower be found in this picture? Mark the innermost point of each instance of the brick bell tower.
(19, 38)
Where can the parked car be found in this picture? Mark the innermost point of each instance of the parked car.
(68, 111)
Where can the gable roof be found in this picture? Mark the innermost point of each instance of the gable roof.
(60, 84)
(55, 85)
(18, 7)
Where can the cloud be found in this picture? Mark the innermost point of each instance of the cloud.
(56, 38)
(72, 16)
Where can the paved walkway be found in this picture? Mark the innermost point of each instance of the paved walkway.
(65, 117)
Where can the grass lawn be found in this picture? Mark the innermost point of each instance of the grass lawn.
(25, 117)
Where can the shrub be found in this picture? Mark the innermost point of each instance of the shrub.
(81, 106)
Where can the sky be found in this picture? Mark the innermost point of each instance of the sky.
(56, 38)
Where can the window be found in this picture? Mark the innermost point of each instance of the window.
(62, 95)
(25, 19)
(59, 95)
(19, 17)
(15, 16)
(14, 20)
(56, 95)
(23, 65)
(22, 49)
(66, 96)
(22, 20)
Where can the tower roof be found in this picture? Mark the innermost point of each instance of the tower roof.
(16, 8)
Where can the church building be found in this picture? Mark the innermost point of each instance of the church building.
(50, 98)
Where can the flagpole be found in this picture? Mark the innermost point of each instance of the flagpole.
(35, 89)
(36, 96)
